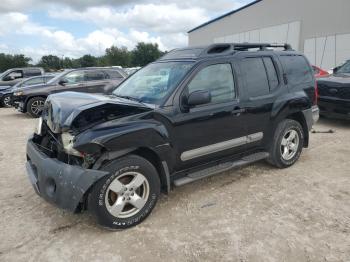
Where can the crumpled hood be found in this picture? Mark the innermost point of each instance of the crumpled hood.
(79, 111)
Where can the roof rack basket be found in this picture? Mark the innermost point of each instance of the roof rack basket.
(231, 47)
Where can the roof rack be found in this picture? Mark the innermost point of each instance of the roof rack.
(231, 47)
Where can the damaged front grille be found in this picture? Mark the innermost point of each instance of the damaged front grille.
(50, 144)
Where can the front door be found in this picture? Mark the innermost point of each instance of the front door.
(73, 81)
(214, 130)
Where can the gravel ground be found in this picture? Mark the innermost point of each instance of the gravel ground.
(257, 213)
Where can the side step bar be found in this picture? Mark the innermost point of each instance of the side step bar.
(220, 168)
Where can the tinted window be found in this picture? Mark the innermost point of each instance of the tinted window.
(113, 74)
(271, 72)
(255, 76)
(32, 72)
(94, 75)
(218, 80)
(74, 77)
(297, 69)
(34, 81)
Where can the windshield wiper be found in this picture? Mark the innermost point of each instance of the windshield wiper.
(130, 98)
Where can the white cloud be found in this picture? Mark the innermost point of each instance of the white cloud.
(116, 22)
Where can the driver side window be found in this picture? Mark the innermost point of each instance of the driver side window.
(218, 80)
(74, 77)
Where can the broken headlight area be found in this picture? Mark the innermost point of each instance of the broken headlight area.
(60, 146)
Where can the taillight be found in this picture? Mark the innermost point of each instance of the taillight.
(316, 94)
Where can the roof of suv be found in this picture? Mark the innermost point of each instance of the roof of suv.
(199, 52)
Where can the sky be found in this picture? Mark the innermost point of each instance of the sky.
(72, 28)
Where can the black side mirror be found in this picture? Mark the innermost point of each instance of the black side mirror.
(335, 69)
(63, 82)
(199, 97)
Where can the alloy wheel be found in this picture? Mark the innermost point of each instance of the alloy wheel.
(290, 144)
(37, 107)
(127, 195)
(7, 101)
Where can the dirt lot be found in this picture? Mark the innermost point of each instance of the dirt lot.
(257, 213)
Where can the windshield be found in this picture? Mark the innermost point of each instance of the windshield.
(344, 69)
(154, 82)
(5, 73)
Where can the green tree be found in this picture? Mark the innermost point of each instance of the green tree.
(50, 62)
(116, 56)
(145, 53)
(88, 61)
(10, 61)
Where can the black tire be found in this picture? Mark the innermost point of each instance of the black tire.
(276, 157)
(31, 106)
(120, 168)
(6, 101)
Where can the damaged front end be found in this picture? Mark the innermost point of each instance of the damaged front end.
(60, 170)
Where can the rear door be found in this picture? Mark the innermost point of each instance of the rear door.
(95, 81)
(262, 85)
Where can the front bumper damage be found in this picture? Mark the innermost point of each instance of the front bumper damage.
(60, 184)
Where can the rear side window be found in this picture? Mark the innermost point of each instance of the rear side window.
(94, 75)
(34, 81)
(296, 69)
(254, 72)
(32, 72)
(271, 72)
(113, 74)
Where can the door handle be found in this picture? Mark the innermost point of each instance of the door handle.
(237, 111)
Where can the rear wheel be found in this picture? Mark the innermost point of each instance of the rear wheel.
(35, 106)
(287, 145)
(127, 196)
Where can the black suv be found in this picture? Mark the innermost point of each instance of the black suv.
(90, 80)
(193, 113)
(14, 75)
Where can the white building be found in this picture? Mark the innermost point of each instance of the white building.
(319, 28)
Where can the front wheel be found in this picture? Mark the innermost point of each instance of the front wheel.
(287, 144)
(6, 101)
(35, 106)
(126, 196)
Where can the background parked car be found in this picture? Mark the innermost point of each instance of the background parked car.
(13, 76)
(7, 92)
(319, 72)
(89, 80)
(334, 93)
(131, 70)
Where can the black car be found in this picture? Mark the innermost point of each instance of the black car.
(89, 80)
(14, 75)
(334, 93)
(6, 93)
(193, 113)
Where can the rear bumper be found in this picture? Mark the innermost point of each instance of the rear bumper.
(311, 116)
(335, 108)
(60, 184)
